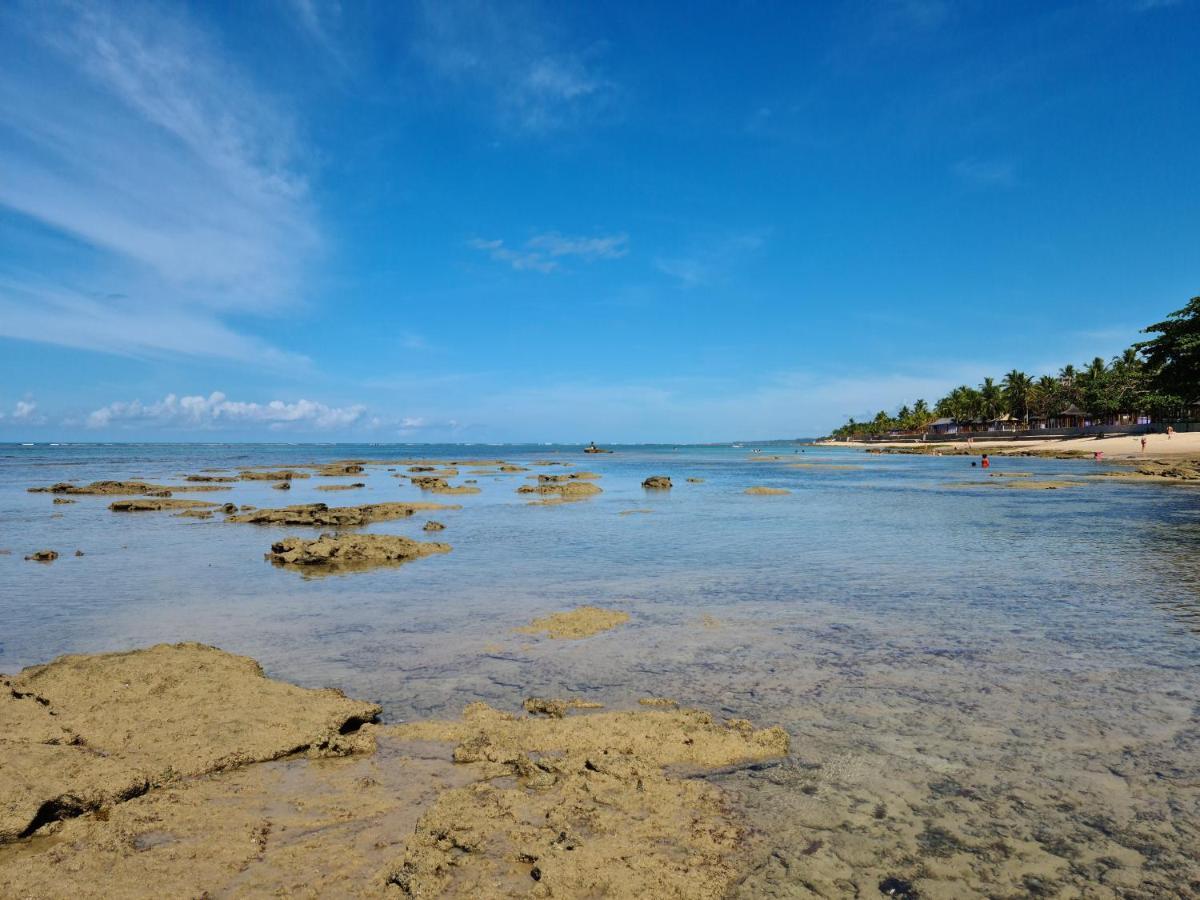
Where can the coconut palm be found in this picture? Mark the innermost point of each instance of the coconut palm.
(1017, 385)
(990, 399)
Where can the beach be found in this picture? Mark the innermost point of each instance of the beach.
(1120, 447)
(758, 685)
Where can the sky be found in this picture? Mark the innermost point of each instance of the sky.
(459, 221)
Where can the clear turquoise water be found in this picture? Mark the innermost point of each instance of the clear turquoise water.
(886, 614)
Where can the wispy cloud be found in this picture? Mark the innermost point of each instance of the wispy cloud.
(711, 259)
(986, 172)
(216, 411)
(178, 183)
(544, 252)
(509, 55)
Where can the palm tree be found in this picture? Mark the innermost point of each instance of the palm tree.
(921, 415)
(990, 398)
(1016, 385)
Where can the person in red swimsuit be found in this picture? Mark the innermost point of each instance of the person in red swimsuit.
(986, 463)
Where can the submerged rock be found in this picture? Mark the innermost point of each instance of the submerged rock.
(695, 481)
(210, 478)
(657, 482)
(341, 487)
(349, 552)
(582, 622)
(322, 516)
(61, 500)
(282, 486)
(767, 491)
(433, 526)
(84, 732)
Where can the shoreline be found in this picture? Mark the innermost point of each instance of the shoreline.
(1122, 447)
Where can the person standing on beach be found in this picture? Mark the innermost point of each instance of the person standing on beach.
(1170, 432)
(1143, 443)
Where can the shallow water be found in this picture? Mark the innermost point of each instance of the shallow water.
(991, 692)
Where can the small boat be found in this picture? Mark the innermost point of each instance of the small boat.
(592, 448)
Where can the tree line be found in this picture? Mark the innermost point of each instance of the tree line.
(1159, 377)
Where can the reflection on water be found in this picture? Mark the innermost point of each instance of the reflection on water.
(992, 692)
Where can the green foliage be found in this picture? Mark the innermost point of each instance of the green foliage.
(1159, 377)
(1174, 356)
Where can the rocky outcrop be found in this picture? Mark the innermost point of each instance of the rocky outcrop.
(271, 475)
(438, 485)
(561, 491)
(111, 488)
(85, 732)
(337, 553)
(657, 482)
(156, 504)
(322, 516)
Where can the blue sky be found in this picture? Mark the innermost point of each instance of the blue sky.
(621, 222)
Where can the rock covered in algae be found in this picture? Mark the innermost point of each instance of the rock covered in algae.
(439, 485)
(583, 807)
(83, 732)
(122, 487)
(323, 516)
(657, 482)
(561, 491)
(341, 487)
(156, 504)
(349, 552)
(270, 474)
(332, 470)
(43, 556)
(491, 805)
(431, 525)
(582, 622)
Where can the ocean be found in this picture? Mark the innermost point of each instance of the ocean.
(1010, 675)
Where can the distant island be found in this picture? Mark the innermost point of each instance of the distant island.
(1154, 382)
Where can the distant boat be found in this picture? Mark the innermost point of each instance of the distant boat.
(592, 448)
(738, 446)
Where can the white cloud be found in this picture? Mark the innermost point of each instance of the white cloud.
(543, 252)
(175, 184)
(611, 246)
(24, 412)
(216, 410)
(512, 57)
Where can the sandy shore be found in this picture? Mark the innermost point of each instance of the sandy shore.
(1158, 446)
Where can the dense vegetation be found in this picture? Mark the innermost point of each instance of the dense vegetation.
(1159, 377)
